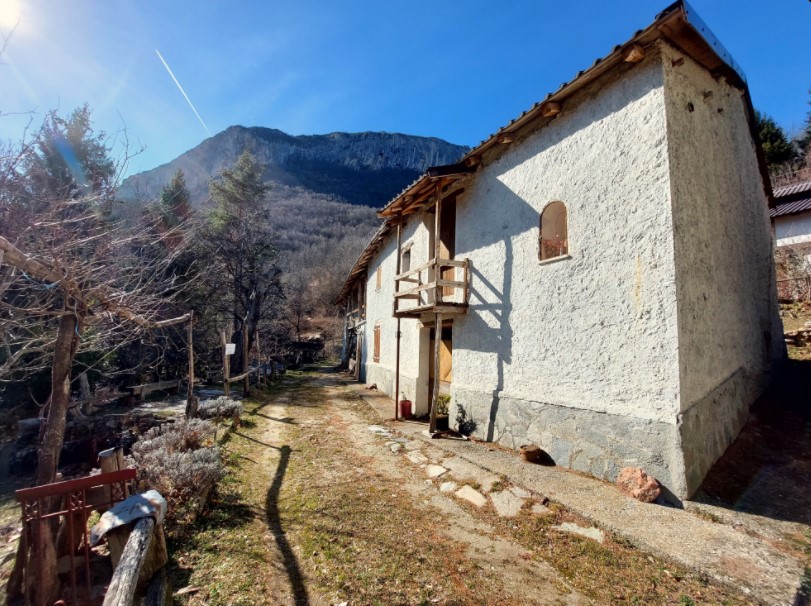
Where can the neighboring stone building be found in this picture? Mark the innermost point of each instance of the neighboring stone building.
(596, 277)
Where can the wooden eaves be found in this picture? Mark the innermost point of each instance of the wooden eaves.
(678, 24)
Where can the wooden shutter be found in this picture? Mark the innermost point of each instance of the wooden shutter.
(376, 356)
(379, 277)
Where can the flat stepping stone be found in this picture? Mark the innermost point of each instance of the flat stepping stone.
(541, 510)
(590, 533)
(417, 457)
(396, 447)
(471, 495)
(447, 487)
(380, 430)
(434, 471)
(465, 470)
(413, 445)
(521, 493)
(506, 503)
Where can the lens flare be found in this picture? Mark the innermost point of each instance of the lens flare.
(10, 11)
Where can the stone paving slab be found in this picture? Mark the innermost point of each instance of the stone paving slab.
(462, 469)
(417, 457)
(471, 495)
(434, 471)
(720, 551)
(590, 533)
(506, 503)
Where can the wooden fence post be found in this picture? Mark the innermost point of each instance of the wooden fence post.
(226, 367)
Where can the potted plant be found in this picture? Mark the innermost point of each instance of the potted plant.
(443, 401)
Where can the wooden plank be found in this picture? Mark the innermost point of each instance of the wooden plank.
(125, 577)
(246, 386)
(415, 270)
(416, 290)
(159, 590)
(226, 367)
(241, 377)
(453, 283)
(146, 388)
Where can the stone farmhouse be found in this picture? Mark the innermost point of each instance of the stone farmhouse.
(596, 277)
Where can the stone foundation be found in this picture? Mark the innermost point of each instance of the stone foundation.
(599, 444)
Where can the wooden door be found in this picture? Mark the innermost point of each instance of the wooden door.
(447, 242)
(445, 362)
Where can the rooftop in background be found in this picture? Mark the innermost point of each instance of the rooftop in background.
(791, 199)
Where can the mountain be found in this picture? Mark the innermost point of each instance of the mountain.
(358, 168)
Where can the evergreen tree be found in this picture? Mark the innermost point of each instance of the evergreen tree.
(239, 246)
(776, 147)
(804, 140)
(71, 161)
(175, 202)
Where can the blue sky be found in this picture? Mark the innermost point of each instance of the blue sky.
(454, 70)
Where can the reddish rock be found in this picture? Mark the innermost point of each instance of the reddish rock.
(638, 484)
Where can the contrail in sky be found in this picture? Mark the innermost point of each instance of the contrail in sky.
(168, 69)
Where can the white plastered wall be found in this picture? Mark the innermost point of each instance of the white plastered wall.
(729, 329)
(791, 230)
(549, 352)
(413, 383)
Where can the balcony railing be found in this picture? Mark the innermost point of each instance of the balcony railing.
(439, 286)
(356, 316)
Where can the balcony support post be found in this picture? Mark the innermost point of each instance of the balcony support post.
(396, 289)
(435, 395)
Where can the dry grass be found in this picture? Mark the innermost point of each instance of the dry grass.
(613, 572)
(308, 519)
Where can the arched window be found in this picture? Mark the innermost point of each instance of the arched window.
(554, 233)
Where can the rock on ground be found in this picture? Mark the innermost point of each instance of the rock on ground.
(638, 484)
(447, 487)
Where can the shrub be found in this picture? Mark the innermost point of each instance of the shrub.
(221, 407)
(181, 462)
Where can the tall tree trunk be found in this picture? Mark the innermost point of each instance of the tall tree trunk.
(53, 434)
(41, 580)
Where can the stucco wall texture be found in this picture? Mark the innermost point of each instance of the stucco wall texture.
(793, 229)
(647, 343)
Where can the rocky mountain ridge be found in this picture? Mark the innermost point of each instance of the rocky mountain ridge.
(367, 168)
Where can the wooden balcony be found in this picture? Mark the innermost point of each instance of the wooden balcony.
(355, 317)
(439, 287)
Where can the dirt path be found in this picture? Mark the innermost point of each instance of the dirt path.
(320, 510)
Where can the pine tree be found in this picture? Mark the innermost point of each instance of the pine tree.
(175, 202)
(240, 244)
(776, 147)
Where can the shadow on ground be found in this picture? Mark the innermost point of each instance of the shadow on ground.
(767, 470)
(274, 522)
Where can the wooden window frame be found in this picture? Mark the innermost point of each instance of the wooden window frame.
(376, 344)
(405, 251)
(562, 243)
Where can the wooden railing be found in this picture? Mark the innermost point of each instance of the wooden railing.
(430, 287)
(69, 504)
(355, 316)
